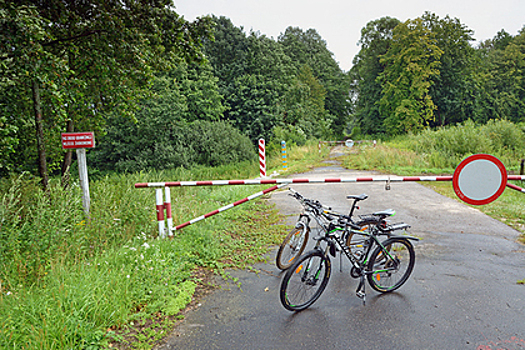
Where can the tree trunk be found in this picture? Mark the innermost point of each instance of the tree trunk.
(42, 165)
(66, 164)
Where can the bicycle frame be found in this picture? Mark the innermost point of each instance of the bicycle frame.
(361, 270)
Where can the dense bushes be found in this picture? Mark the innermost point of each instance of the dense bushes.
(451, 144)
(154, 143)
(441, 150)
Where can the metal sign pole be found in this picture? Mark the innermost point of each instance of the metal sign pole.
(80, 141)
(84, 182)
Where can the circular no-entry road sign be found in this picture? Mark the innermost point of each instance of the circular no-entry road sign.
(479, 179)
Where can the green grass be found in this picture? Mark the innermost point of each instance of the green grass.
(68, 282)
(300, 159)
(398, 157)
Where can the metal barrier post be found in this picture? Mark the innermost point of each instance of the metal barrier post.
(262, 158)
(283, 153)
(160, 212)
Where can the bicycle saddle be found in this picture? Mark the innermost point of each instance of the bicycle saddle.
(386, 212)
(361, 197)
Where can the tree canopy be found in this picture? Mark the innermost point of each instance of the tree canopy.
(66, 64)
(121, 67)
(425, 73)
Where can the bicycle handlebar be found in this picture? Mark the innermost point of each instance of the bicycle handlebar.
(315, 204)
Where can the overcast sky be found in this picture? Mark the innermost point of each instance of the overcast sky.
(339, 22)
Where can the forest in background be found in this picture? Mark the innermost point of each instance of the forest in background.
(161, 92)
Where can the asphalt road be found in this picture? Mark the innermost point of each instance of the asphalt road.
(462, 294)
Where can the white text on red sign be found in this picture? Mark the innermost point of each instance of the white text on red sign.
(78, 140)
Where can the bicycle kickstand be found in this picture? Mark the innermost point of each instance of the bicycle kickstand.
(360, 291)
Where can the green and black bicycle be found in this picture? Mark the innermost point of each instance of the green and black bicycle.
(386, 264)
(295, 241)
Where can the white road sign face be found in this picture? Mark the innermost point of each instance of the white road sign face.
(349, 143)
(480, 179)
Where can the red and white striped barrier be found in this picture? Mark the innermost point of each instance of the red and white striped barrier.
(162, 205)
(517, 188)
(166, 205)
(345, 142)
(229, 206)
(262, 158)
(294, 181)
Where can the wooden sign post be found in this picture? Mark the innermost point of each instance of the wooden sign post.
(80, 141)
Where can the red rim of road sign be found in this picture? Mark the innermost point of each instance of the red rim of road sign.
(464, 197)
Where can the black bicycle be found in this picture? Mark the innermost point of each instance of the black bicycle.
(387, 264)
(295, 242)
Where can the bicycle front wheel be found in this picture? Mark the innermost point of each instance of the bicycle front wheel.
(305, 281)
(390, 268)
(292, 247)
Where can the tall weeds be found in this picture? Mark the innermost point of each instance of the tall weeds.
(441, 150)
(71, 282)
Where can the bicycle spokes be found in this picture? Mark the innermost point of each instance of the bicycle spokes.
(390, 269)
(304, 282)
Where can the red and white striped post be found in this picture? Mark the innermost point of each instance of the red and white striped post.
(167, 206)
(262, 158)
(162, 205)
(159, 204)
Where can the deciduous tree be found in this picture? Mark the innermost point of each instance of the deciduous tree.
(410, 64)
(90, 58)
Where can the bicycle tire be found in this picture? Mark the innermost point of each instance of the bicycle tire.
(387, 275)
(356, 242)
(305, 281)
(292, 247)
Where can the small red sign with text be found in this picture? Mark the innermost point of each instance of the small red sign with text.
(78, 140)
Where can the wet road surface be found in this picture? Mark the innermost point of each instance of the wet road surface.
(462, 294)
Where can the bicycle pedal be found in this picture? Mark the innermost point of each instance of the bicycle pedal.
(360, 294)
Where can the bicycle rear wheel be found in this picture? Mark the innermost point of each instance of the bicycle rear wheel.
(389, 271)
(305, 281)
(292, 247)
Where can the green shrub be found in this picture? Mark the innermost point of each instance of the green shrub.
(441, 150)
(218, 143)
(448, 146)
(158, 144)
(507, 139)
(292, 135)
